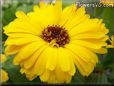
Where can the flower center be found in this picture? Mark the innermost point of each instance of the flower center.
(57, 34)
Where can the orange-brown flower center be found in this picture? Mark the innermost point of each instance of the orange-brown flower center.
(57, 33)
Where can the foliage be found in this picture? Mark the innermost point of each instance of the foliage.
(104, 71)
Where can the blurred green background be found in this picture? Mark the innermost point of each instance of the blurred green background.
(104, 71)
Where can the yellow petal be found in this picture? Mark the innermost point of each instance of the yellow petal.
(21, 41)
(45, 76)
(52, 79)
(68, 78)
(51, 58)
(96, 35)
(21, 15)
(101, 51)
(12, 49)
(90, 26)
(110, 46)
(27, 51)
(28, 63)
(84, 68)
(20, 35)
(107, 2)
(87, 55)
(58, 73)
(42, 4)
(94, 44)
(4, 76)
(64, 59)
(112, 38)
(40, 65)
(25, 22)
(78, 17)
(72, 68)
(36, 8)
(58, 10)
(40, 18)
(67, 14)
(29, 73)
(85, 61)
(25, 26)
(2, 58)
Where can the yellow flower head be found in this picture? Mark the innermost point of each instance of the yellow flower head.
(111, 45)
(2, 58)
(51, 42)
(107, 2)
(3, 74)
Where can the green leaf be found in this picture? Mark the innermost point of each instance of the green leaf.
(8, 16)
(14, 74)
(111, 74)
(102, 79)
(13, 71)
(109, 58)
(92, 79)
(108, 17)
(98, 11)
(78, 78)
(25, 7)
(97, 78)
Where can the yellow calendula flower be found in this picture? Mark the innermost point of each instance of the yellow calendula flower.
(3, 74)
(51, 42)
(2, 58)
(107, 2)
(111, 45)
